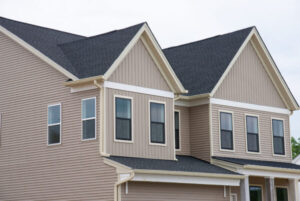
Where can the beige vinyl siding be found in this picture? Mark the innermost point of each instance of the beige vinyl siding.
(143, 191)
(249, 82)
(138, 68)
(239, 134)
(236, 190)
(141, 146)
(29, 168)
(184, 130)
(199, 132)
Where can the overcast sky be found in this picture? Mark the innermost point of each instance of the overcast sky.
(175, 22)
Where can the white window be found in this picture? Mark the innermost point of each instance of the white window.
(88, 117)
(226, 130)
(123, 119)
(252, 133)
(278, 136)
(157, 123)
(54, 124)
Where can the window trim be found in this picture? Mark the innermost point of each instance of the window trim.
(262, 190)
(286, 187)
(272, 134)
(220, 140)
(89, 119)
(114, 120)
(149, 123)
(60, 118)
(246, 133)
(179, 119)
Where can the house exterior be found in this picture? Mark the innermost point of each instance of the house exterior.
(115, 117)
(297, 161)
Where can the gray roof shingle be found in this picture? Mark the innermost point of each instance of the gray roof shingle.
(183, 163)
(199, 65)
(259, 163)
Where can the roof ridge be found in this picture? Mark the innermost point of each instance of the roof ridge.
(209, 38)
(38, 26)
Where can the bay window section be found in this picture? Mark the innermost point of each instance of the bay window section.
(157, 123)
(54, 124)
(278, 137)
(88, 107)
(123, 119)
(226, 131)
(252, 134)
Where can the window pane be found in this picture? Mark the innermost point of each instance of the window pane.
(226, 121)
(252, 124)
(157, 112)
(226, 140)
(278, 145)
(282, 194)
(252, 142)
(277, 127)
(158, 133)
(54, 114)
(123, 108)
(88, 129)
(54, 134)
(176, 116)
(255, 193)
(123, 129)
(88, 108)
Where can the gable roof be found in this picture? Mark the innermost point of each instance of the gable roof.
(200, 65)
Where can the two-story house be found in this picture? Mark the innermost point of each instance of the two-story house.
(115, 117)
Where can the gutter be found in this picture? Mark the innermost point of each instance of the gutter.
(88, 80)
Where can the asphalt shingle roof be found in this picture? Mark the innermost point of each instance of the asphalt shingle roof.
(183, 163)
(199, 65)
(240, 161)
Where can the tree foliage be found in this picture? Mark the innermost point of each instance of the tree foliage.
(295, 147)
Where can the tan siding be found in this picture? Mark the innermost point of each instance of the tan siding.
(141, 127)
(138, 68)
(248, 82)
(236, 190)
(199, 132)
(142, 191)
(29, 169)
(184, 130)
(281, 182)
(265, 134)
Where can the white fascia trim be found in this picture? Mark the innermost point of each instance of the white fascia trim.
(186, 179)
(249, 106)
(83, 88)
(137, 89)
(265, 173)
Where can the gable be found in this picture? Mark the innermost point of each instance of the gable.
(138, 68)
(248, 82)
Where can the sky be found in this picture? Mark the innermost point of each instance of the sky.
(175, 22)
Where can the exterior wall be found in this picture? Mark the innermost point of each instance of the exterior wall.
(138, 68)
(249, 82)
(29, 168)
(140, 147)
(236, 190)
(199, 132)
(142, 191)
(239, 134)
(184, 130)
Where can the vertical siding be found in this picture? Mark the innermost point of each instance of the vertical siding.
(138, 68)
(184, 130)
(199, 132)
(239, 133)
(141, 127)
(248, 82)
(29, 168)
(142, 191)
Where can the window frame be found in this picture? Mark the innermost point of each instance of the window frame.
(272, 133)
(149, 120)
(246, 134)
(179, 136)
(89, 119)
(115, 118)
(262, 190)
(286, 187)
(220, 133)
(60, 124)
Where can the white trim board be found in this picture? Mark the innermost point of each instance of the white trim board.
(249, 106)
(138, 89)
(266, 173)
(186, 179)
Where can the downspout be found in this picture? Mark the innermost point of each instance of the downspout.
(101, 119)
(119, 183)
